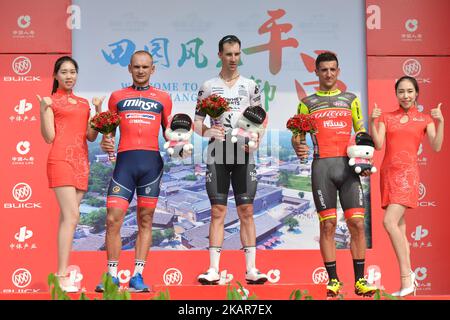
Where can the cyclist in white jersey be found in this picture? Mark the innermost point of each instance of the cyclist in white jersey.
(228, 162)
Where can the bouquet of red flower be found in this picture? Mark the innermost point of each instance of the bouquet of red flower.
(105, 123)
(214, 105)
(300, 125)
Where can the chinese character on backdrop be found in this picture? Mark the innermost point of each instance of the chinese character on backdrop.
(159, 51)
(276, 43)
(191, 50)
(121, 52)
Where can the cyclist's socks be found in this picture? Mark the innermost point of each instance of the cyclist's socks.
(112, 267)
(138, 266)
(331, 269)
(358, 268)
(250, 257)
(214, 257)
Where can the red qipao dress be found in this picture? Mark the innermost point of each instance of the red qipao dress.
(399, 172)
(68, 163)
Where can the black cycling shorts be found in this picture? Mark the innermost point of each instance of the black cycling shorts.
(332, 175)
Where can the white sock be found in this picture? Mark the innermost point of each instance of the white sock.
(214, 257)
(138, 266)
(112, 267)
(250, 257)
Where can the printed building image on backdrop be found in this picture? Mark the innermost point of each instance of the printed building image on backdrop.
(279, 47)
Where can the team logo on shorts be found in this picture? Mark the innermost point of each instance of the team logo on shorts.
(116, 189)
(147, 190)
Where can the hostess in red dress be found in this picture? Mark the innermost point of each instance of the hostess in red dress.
(399, 172)
(68, 163)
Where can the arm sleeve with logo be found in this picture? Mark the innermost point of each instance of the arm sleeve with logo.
(357, 116)
(255, 100)
(255, 94)
(302, 108)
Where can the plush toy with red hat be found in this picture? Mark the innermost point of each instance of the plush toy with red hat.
(360, 151)
(250, 126)
(179, 134)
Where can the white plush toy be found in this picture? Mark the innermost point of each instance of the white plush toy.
(360, 151)
(250, 126)
(179, 134)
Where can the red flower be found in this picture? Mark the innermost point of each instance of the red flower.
(302, 123)
(105, 122)
(214, 105)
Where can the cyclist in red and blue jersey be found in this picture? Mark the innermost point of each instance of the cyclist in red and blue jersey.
(139, 167)
(336, 113)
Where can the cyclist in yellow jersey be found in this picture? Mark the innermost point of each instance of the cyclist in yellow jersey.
(336, 113)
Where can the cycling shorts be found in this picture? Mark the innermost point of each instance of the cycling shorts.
(135, 170)
(332, 175)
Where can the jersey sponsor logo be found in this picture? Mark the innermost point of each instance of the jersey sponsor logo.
(139, 116)
(217, 90)
(234, 101)
(136, 104)
(334, 124)
(333, 114)
(340, 104)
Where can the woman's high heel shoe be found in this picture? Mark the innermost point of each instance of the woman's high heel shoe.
(411, 289)
(66, 284)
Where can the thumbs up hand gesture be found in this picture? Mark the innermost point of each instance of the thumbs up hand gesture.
(436, 113)
(44, 102)
(97, 102)
(376, 112)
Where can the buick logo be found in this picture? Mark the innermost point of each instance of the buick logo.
(21, 192)
(172, 276)
(411, 67)
(320, 275)
(422, 191)
(21, 65)
(21, 278)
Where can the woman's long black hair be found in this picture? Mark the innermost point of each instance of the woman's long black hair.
(58, 65)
